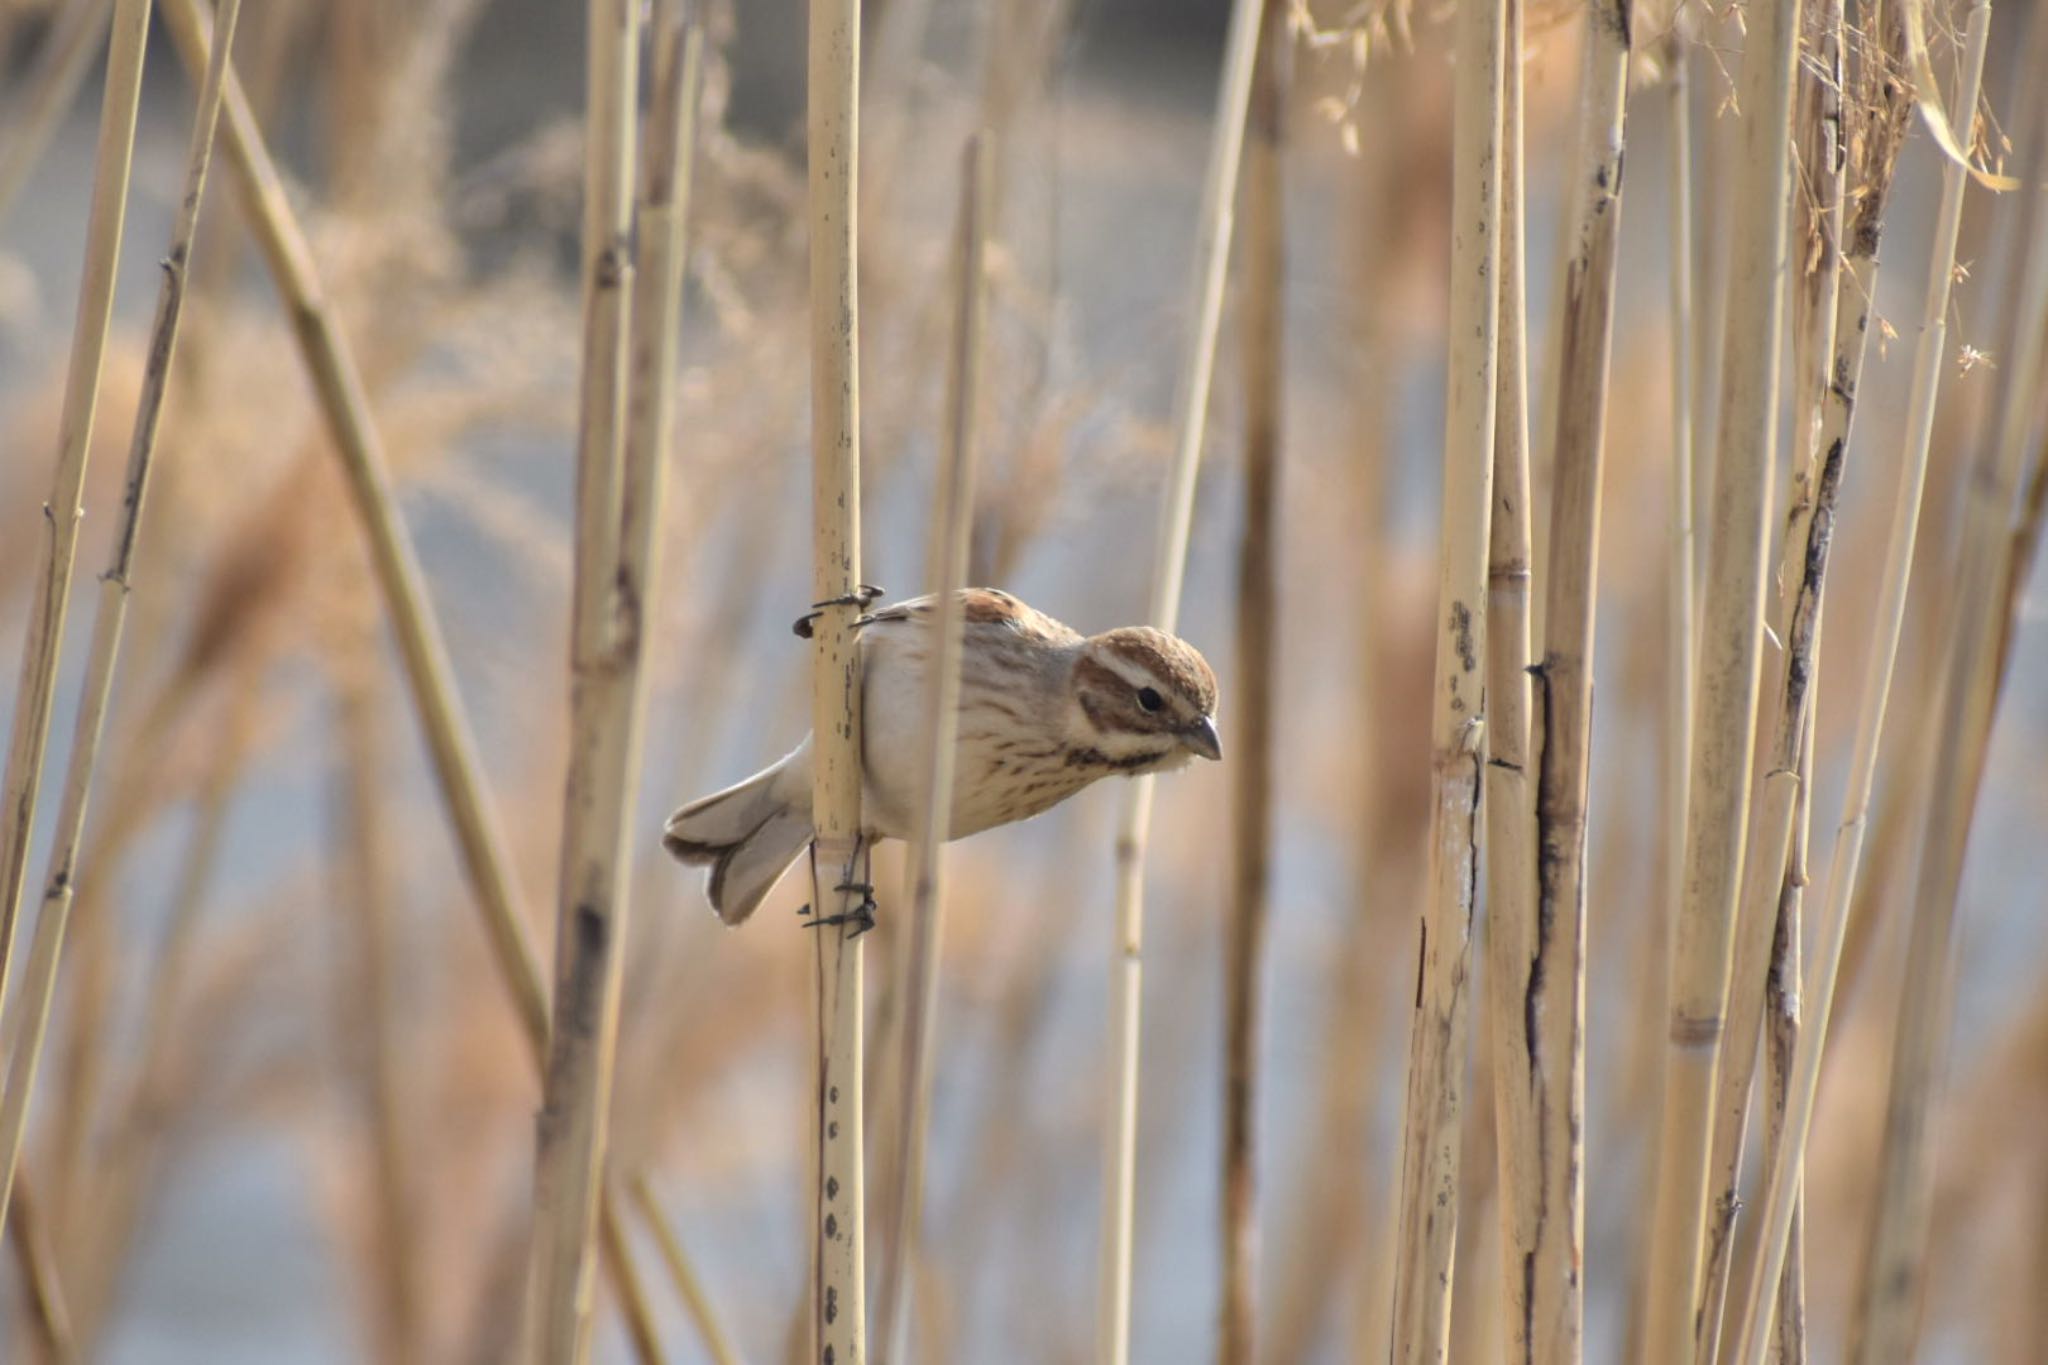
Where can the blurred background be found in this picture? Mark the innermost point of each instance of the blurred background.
(286, 1112)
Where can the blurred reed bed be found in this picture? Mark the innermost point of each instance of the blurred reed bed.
(284, 1038)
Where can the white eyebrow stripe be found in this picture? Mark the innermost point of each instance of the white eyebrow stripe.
(1136, 674)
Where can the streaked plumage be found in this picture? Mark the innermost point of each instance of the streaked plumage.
(1044, 711)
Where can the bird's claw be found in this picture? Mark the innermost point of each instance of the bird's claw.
(861, 917)
(863, 597)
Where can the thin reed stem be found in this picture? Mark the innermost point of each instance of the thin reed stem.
(1169, 564)
(1725, 707)
(1511, 925)
(365, 1007)
(50, 602)
(345, 406)
(681, 1269)
(1781, 1189)
(1426, 1226)
(1548, 978)
(1258, 648)
(47, 92)
(48, 1314)
(1830, 329)
(838, 1237)
(29, 1013)
(946, 558)
(604, 707)
(1892, 1284)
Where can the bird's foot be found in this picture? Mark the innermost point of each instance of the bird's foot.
(861, 917)
(864, 596)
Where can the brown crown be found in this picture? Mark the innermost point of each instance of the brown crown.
(1174, 662)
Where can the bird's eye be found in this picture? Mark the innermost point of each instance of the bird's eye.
(1150, 699)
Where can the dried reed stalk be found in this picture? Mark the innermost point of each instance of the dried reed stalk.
(47, 92)
(1893, 1275)
(1681, 566)
(28, 1017)
(1258, 647)
(605, 700)
(689, 1285)
(1426, 1227)
(1546, 985)
(1511, 925)
(120, 1170)
(344, 402)
(458, 772)
(1725, 713)
(1176, 515)
(1782, 1186)
(46, 1313)
(839, 1196)
(43, 639)
(1830, 328)
(946, 555)
(364, 1002)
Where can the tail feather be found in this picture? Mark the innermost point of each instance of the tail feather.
(747, 834)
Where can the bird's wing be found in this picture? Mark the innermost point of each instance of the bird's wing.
(979, 607)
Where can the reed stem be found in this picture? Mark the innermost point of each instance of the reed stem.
(1781, 1189)
(50, 602)
(1258, 648)
(952, 528)
(1725, 707)
(1892, 1284)
(604, 697)
(1426, 1226)
(839, 1232)
(1176, 516)
(29, 1012)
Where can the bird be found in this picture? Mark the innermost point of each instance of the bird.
(1044, 711)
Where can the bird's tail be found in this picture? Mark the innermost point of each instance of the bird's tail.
(747, 834)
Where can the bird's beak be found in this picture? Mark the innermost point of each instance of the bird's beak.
(1201, 738)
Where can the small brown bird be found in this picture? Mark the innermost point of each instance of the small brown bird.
(1044, 711)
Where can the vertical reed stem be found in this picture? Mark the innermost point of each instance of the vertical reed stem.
(1511, 926)
(839, 1235)
(1828, 362)
(1258, 646)
(1427, 1222)
(951, 539)
(1782, 1185)
(46, 92)
(590, 921)
(717, 1341)
(29, 1012)
(630, 318)
(1725, 714)
(43, 639)
(1892, 1284)
(1548, 984)
(1176, 515)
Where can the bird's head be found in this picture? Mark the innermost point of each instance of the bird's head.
(1146, 701)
